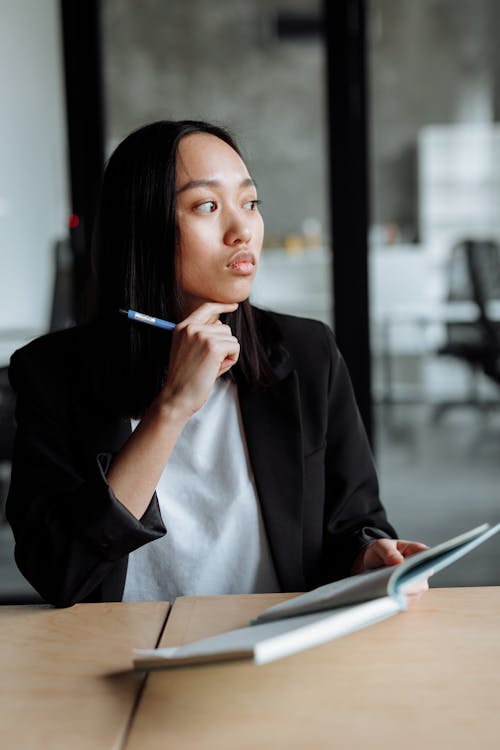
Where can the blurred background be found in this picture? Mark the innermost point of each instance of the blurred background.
(372, 128)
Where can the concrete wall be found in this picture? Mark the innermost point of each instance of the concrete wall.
(218, 60)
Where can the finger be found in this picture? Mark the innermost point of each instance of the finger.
(388, 552)
(226, 365)
(413, 591)
(219, 329)
(229, 361)
(209, 330)
(410, 548)
(416, 587)
(209, 337)
(412, 599)
(209, 312)
(380, 553)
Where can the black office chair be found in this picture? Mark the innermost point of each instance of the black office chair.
(474, 277)
(7, 405)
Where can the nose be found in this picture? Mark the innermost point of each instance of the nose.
(237, 233)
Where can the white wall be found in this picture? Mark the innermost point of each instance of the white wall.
(33, 173)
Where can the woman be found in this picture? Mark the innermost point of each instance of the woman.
(238, 432)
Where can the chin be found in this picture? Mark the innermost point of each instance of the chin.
(236, 295)
(238, 299)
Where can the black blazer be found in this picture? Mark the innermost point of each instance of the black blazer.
(310, 457)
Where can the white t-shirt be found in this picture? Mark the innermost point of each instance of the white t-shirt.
(215, 542)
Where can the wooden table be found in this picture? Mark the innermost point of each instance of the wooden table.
(428, 677)
(65, 673)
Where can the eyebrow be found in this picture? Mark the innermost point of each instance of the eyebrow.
(247, 182)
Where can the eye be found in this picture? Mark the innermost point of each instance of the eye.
(251, 205)
(207, 207)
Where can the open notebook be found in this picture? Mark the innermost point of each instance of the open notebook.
(321, 615)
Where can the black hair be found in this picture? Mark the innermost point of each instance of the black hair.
(133, 261)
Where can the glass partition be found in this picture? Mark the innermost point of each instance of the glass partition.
(259, 70)
(434, 70)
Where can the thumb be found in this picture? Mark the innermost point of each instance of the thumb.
(389, 553)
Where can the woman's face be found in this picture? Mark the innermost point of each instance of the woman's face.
(219, 226)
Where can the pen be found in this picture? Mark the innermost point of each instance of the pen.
(150, 321)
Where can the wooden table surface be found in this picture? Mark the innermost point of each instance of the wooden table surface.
(65, 673)
(428, 677)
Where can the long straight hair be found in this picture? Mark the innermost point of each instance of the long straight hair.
(133, 260)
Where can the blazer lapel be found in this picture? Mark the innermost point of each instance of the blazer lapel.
(271, 418)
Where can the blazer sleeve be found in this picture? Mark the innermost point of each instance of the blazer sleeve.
(70, 529)
(354, 515)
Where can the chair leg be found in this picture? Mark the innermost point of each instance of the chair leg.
(473, 396)
(4, 487)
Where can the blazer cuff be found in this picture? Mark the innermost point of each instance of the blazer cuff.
(106, 523)
(355, 542)
(370, 534)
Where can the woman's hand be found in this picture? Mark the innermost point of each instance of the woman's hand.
(202, 350)
(388, 552)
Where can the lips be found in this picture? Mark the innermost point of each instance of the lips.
(243, 263)
(242, 259)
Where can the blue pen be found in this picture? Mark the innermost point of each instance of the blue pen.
(150, 321)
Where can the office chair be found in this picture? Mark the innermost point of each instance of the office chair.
(474, 276)
(7, 406)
